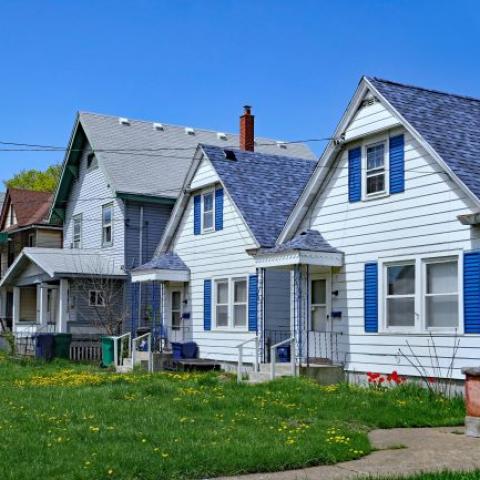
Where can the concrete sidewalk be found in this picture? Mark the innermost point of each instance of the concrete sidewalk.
(427, 450)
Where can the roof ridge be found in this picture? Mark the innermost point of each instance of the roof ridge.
(431, 90)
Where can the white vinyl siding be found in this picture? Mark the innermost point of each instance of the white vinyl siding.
(422, 220)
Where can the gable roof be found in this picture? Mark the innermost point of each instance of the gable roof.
(264, 187)
(164, 261)
(30, 207)
(449, 123)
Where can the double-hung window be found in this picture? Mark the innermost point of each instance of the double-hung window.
(400, 299)
(231, 303)
(107, 224)
(77, 231)
(208, 215)
(375, 171)
(96, 298)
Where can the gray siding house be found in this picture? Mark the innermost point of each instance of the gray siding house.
(119, 183)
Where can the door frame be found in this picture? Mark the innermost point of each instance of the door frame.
(172, 291)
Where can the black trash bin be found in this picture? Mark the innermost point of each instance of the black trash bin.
(44, 347)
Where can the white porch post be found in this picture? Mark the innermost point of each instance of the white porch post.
(42, 297)
(3, 302)
(63, 306)
(16, 307)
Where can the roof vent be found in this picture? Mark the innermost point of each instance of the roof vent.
(158, 127)
(189, 131)
(282, 145)
(221, 136)
(123, 121)
(229, 154)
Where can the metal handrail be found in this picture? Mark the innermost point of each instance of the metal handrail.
(149, 349)
(240, 356)
(115, 347)
(273, 356)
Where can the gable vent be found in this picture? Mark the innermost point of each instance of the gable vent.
(189, 131)
(282, 145)
(158, 127)
(369, 101)
(229, 154)
(123, 121)
(221, 136)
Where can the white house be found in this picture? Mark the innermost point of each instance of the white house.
(374, 263)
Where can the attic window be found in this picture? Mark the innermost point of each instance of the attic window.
(158, 127)
(123, 121)
(189, 131)
(221, 136)
(282, 145)
(229, 154)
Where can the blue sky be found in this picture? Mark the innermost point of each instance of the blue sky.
(197, 62)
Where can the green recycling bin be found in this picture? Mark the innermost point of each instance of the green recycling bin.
(107, 351)
(61, 345)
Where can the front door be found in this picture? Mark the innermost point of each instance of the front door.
(176, 322)
(319, 334)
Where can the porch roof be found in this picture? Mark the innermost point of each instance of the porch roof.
(167, 266)
(308, 247)
(53, 263)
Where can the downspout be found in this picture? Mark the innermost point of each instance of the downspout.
(140, 260)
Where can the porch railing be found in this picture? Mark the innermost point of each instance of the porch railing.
(273, 356)
(119, 348)
(323, 347)
(85, 348)
(148, 342)
(240, 356)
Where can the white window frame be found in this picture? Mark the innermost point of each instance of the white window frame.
(204, 194)
(231, 303)
(104, 225)
(77, 217)
(98, 295)
(420, 261)
(385, 140)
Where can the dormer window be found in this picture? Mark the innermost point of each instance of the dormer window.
(208, 211)
(375, 168)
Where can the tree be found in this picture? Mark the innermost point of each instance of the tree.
(38, 180)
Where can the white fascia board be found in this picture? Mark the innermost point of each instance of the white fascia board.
(161, 276)
(322, 259)
(16, 263)
(322, 169)
(428, 148)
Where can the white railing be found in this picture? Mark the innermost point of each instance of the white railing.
(240, 356)
(116, 340)
(148, 337)
(273, 356)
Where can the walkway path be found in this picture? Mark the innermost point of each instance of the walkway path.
(427, 449)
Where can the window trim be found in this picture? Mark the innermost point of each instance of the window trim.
(97, 294)
(104, 243)
(78, 216)
(210, 191)
(420, 261)
(230, 327)
(385, 140)
(245, 303)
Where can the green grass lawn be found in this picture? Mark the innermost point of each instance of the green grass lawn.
(64, 421)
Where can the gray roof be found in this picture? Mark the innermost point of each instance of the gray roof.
(265, 188)
(164, 261)
(67, 262)
(309, 240)
(449, 123)
(155, 162)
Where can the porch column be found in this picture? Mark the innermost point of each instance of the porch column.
(16, 307)
(3, 303)
(42, 295)
(63, 306)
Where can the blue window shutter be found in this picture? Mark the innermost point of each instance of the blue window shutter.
(355, 175)
(397, 164)
(197, 213)
(371, 297)
(471, 292)
(252, 302)
(219, 209)
(207, 304)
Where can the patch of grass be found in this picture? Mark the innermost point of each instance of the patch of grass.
(64, 421)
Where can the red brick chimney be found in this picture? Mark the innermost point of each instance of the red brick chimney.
(247, 130)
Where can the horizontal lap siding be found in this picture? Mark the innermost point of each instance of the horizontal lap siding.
(421, 220)
(214, 255)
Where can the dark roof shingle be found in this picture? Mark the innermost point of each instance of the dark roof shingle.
(164, 261)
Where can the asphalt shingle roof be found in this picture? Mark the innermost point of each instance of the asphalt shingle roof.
(148, 163)
(449, 123)
(164, 261)
(309, 240)
(264, 187)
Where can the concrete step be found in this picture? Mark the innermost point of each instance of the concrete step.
(280, 368)
(258, 377)
(324, 374)
(123, 369)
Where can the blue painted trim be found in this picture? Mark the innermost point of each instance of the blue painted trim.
(355, 175)
(471, 292)
(397, 164)
(371, 297)
(207, 304)
(197, 213)
(219, 209)
(252, 303)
